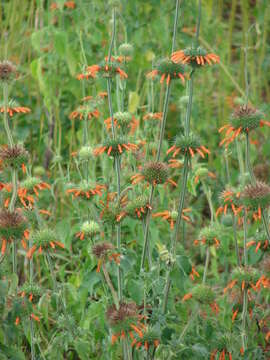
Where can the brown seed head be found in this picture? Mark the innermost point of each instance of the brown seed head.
(101, 249)
(259, 190)
(7, 70)
(244, 110)
(10, 219)
(261, 172)
(125, 311)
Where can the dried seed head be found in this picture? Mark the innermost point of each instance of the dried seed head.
(85, 153)
(257, 195)
(126, 50)
(100, 250)
(203, 294)
(12, 224)
(155, 172)
(246, 117)
(125, 312)
(14, 156)
(90, 228)
(7, 71)
(261, 171)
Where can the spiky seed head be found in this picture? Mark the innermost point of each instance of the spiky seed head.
(7, 71)
(31, 289)
(247, 274)
(13, 157)
(138, 203)
(30, 182)
(102, 249)
(126, 49)
(257, 195)
(203, 294)
(246, 117)
(123, 119)
(168, 67)
(90, 228)
(125, 312)
(44, 237)
(85, 153)
(110, 213)
(210, 233)
(12, 224)
(184, 142)
(155, 172)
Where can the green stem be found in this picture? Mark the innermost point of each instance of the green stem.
(177, 6)
(146, 231)
(198, 23)
(163, 121)
(6, 124)
(190, 98)
(109, 283)
(207, 259)
(235, 241)
(245, 298)
(248, 163)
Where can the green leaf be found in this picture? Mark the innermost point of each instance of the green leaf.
(135, 290)
(60, 43)
(83, 349)
(12, 353)
(133, 101)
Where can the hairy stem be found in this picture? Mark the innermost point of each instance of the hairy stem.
(207, 259)
(109, 283)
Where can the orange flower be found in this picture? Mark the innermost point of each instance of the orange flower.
(194, 56)
(168, 70)
(106, 69)
(83, 112)
(86, 191)
(194, 274)
(123, 120)
(153, 116)
(171, 216)
(229, 198)
(115, 147)
(11, 110)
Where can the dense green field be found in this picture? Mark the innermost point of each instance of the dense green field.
(134, 172)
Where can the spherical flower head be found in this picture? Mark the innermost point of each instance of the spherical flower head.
(227, 220)
(110, 213)
(123, 119)
(39, 171)
(174, 215)
(126, 50)
(210, 235)
(203, 294)
(188, 144)
(167, 70)
(7, 71)
(195, 57)
(115, 3)
(85, 153)
(100, 250)
(155, 172)
(149, 337)
(14, 157)
(246, 277)
(256, 196)
(265, 265)
(44, 239)
(32, 291)
(246, 118)
(30, 182)
(90, 228)
(109, 69)
(138, 207)
(12, 224)
(115, 147)
(85, 190)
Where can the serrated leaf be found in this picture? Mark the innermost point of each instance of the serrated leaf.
(133, 101)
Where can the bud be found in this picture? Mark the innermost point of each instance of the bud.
(126, 50)
(85, 153)
(155, 172)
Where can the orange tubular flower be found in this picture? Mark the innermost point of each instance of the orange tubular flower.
(67, 4)
(194, 274)
(105, 68)
(171, 216)
(229, 198)
(124, 121)
(168, 70)
(153, 116)
(83, 112)
(86, 190)
(222, 354)
(189, 144)
(13, 108)
(195, 57)
(243, 120)
(115, 147)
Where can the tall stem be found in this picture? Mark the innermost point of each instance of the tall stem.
(109, 283)
(248, 163)
(198, 23)
(207, 258)
(117, 159)
(146, 230)
(245, 298)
